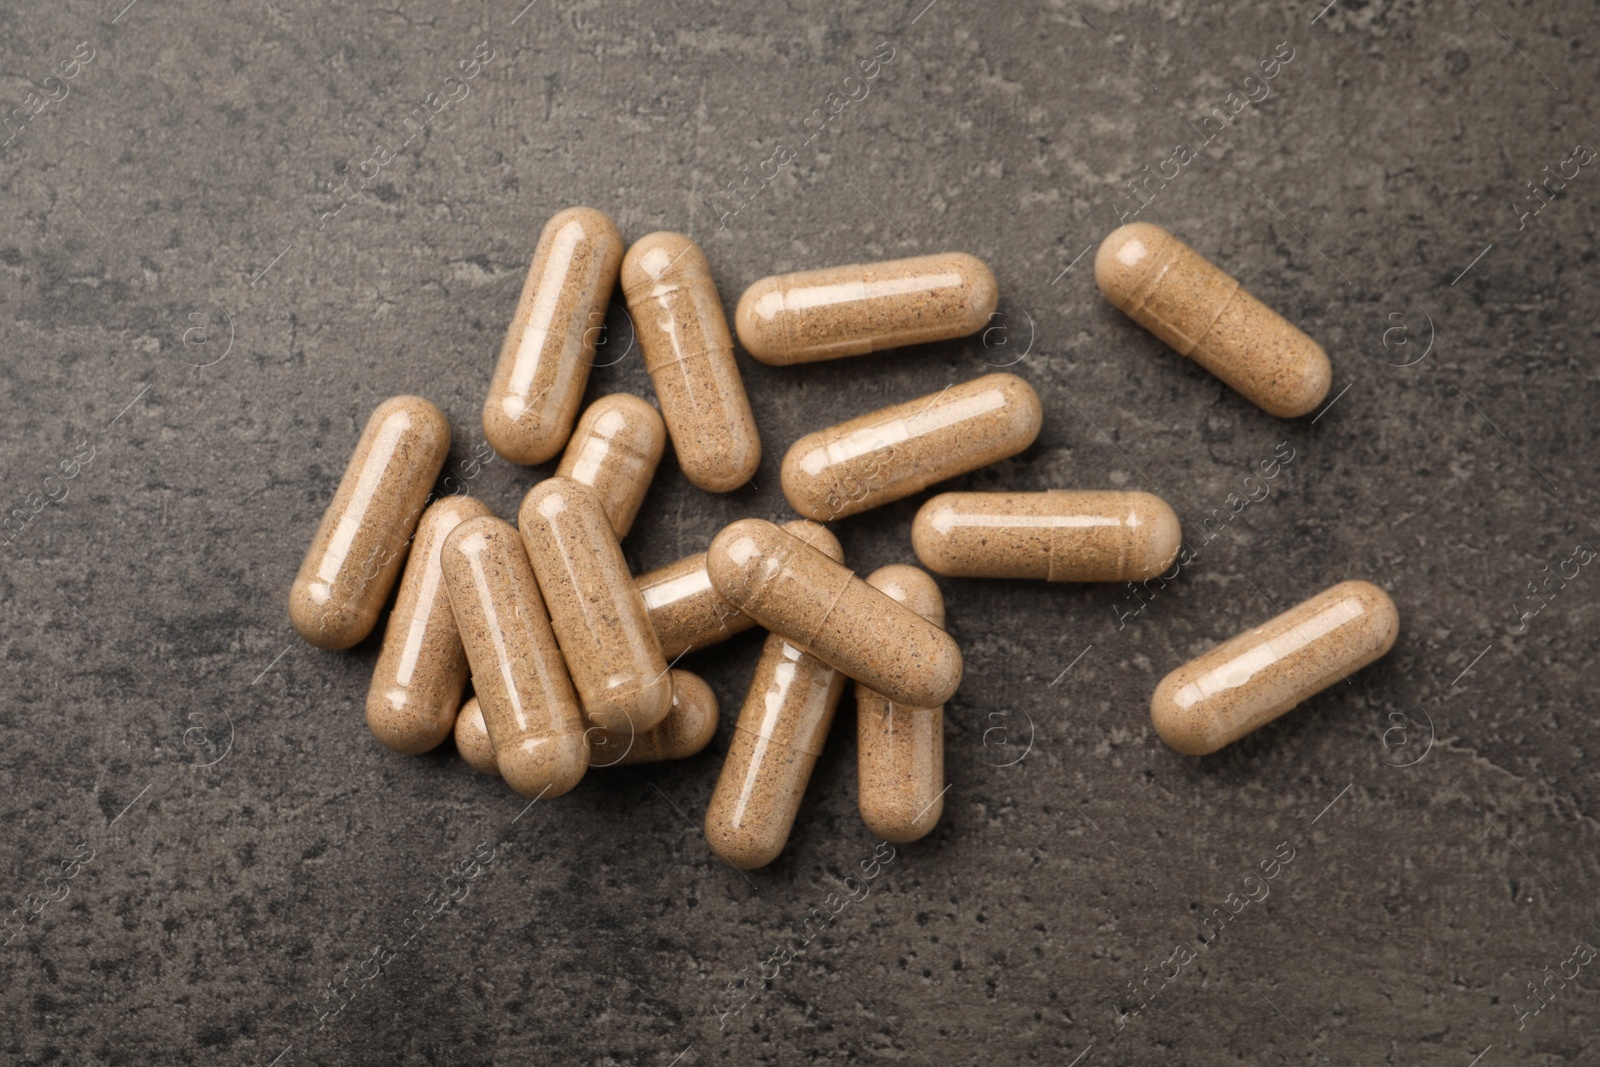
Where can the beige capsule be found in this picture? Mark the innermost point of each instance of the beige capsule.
(417, 683)
(689, 614)
(688, 352)
(549, 349)
(361, 544)
(598, 614)
(865, 307)
(1060, 535)
(889, 454)
(1246, 682)
(687, 729)
(776, 740)
(472, 739)
(615, 451)
(1205, 314)
(820, 605)
(900, 749)
(529, 707)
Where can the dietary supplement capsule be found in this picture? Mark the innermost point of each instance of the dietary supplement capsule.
(899, 749)
(417, 683)
(599, 617)
(1060, 536)
(688, 352)
(865, 307)
(776, 740)
(819, 605)
(687, 729)
(900, 450)
(689, 614)
(1246, 682)
(1202, 312)
(544, 363)
(615, 450)
(361, 544)
(472, 739)
(529, 707)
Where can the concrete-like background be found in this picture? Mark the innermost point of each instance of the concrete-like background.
(202, 843)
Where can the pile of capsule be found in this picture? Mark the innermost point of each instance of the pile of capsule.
(571, 657)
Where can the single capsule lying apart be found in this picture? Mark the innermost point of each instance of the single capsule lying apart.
(544, 363)
(900, 749)
(361, 544)
(1246, 682)
(615, 451)
(1059, 536)
(599, 617)
(889, 454)
(417, 683)
(687, 729)
(529, 707)
(819, 605)
(688, 352)
(865, 307)
(1203, 313)
(779, 734)
(689, 614)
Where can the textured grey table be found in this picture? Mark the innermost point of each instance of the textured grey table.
(223, 244)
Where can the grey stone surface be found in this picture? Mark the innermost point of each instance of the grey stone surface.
(213, 843)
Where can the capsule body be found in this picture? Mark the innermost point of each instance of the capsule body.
(891, 453)
(599, 617)
(900, 749)
(1059, 536)
(688, 352)
(417, 683)
(529, 707)
(615, 451)
(865, 307)
(1205, 314)
(688, 614)
(819, 605)
(1246, 682)
(687, 729)
(361, 544)
(776, 740)
(472, 739)
(549, 349)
